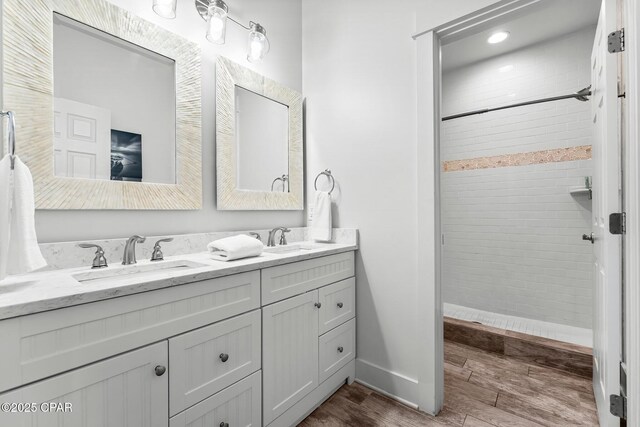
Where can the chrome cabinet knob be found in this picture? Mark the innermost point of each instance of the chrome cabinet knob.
(340, 349)
(590, 237)
(223, 424)
(160, 370)
(317, 305)
(224, 357)
(340, 305)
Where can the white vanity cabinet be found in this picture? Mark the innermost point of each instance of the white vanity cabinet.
(126, 390)
(259, 348)
(308, 338)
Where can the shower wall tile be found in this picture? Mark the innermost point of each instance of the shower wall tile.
(544, 70)
(512, 234)
(512, 242)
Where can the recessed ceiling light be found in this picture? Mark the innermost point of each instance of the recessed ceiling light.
(498, 37)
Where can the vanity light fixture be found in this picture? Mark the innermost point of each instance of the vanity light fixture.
(216, 14)
(498, 37)
(258, 43)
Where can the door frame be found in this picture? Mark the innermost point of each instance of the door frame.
(631, 165)
(430, 320)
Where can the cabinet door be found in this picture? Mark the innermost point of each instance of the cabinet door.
(290, 353)
(123, 391)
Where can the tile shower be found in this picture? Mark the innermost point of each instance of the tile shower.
(512, 253)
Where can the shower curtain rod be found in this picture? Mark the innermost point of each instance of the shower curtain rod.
(581, 95)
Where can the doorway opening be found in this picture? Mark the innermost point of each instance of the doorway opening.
(527, 262)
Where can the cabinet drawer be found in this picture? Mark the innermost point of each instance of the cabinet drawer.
(43, 344)
(338, 304)
(121, 391)
(284, 281)
(337, 348)
(205, 361)
(237, 406)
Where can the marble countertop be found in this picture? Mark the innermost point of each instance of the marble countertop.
(54, 289)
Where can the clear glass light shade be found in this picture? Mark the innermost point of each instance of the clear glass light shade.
(217, 22)
(258, 43)
(165, 8)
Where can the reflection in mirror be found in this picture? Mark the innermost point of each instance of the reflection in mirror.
(262, 138)
(114, 107)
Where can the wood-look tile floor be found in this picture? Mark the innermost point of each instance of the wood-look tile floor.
(482, 389)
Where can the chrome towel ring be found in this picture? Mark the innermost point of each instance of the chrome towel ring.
(11, 135)
(328, 174)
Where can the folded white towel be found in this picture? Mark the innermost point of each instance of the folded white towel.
(19, 250)
(321, 224)
(235, 247)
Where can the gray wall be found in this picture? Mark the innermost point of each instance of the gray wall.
(282, 20)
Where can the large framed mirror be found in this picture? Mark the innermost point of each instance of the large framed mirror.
(259, 142)
(107, 106)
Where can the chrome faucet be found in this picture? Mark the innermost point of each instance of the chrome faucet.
(129, 256)
(271, 241)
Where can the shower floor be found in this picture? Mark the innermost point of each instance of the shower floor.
(570, 334)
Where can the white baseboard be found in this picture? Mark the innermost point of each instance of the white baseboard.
(386, 382)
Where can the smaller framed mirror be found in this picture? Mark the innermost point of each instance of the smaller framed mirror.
(258, 141)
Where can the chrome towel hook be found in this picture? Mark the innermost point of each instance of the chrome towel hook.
(328, 174)
(11, 135)
(284, 179)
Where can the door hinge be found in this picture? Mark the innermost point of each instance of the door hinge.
(618, 406)
(615, 41)
(618, 223)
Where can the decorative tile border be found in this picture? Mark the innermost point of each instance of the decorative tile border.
(582, 152)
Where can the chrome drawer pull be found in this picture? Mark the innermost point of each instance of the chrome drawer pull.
(160, 370)
(224, 357)
(340, 349)
(340, 305)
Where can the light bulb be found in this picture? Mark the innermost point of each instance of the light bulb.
(217, 22)
(498, 37)
(258, 43)
(165, 8)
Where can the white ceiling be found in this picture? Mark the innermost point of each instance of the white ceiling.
(546, 20)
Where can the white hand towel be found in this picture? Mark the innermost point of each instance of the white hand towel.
(19, 250)
(235, 247)
(321, 224)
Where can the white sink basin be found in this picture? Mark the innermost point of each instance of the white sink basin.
(293, 247)
(136, 271)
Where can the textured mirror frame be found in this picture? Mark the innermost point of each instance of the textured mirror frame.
(228, 76)
(28, 91)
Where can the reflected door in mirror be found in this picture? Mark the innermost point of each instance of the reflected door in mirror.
(262, 138)
(114, 107)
